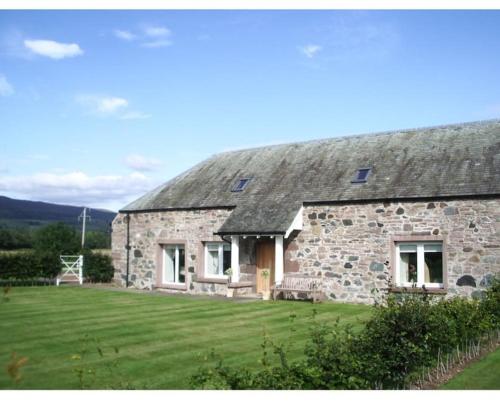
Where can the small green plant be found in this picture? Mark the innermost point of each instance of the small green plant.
(100, 374)
(406, 335)
(6, 291)
(228, 272)
(14, 367)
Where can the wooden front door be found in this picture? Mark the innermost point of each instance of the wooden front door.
(265, 262)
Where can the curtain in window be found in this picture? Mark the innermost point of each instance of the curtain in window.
(213, 262)
(169, 264)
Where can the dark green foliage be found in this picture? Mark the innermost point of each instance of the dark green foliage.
(97, 267)
(491, 303)
(18, 238)
(97, 240)
(56, 239)
(404, 335)
(28, 266)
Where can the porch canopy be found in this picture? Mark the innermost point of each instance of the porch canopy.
(262, 216)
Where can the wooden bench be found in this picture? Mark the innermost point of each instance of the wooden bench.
(299, 285)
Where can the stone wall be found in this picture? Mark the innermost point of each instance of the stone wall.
(148, 230)
(349, 246)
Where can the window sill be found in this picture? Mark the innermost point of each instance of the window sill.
(179, 287)
(213, 280)
(418, 290)
(241, 284)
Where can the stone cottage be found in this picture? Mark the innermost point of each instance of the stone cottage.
(407, 210)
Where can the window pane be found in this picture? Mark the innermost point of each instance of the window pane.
(213, 247)
(362, 174)
(433, 267)
(408, 267)
(213, 262)
(169, 265)
(433, 248)
(182, 266)
(226, 260)
(407, 248)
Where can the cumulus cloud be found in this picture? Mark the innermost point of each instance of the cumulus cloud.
(147, 36)
(310, 50)
(77, 187)
(134, 115)
(124, 35)
(160, 43)
(109, 106)
(6, 88)
(159, 35)
(157, 31)
(52, 49)
(141, 163)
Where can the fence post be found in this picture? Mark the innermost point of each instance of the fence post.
(80, 270)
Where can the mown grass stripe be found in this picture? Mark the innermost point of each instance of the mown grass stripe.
(161, 338)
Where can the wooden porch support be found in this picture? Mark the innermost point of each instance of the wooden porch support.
(279, 260)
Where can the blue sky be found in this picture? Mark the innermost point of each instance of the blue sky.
(97, 107)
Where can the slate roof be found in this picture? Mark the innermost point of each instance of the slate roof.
(453, 160)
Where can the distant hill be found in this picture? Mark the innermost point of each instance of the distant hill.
(28, 214)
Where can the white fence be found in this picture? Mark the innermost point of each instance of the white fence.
(72, 269)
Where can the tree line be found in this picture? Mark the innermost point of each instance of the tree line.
(26, 238)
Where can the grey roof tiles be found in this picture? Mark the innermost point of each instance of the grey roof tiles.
(454, 160)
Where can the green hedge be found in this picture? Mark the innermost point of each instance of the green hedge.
(97, 267)
(404, 335)
(28, 266)
(32, 266)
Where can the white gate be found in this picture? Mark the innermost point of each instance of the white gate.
(72, 267)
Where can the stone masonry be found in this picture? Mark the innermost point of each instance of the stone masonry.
(348, 246)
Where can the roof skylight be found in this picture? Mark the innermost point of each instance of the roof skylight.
(240, 185)
(361, 175)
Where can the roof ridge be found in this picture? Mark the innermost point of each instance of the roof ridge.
(363, 135)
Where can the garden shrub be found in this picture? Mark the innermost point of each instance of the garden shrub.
(406, 334)
(97, 267)
(28, 266)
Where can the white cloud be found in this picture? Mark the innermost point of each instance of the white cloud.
(157, 43)
(157, 31)
(52, 49)
(6, 88)
(141, 163)
(77, 187)
(310, 50)
(109, 106)
(159, 34)
(134, 115)
(124, 35)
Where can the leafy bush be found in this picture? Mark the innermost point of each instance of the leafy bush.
(404, 335)
(56, 239)
(97, 267)
(28, 266)
(18, 238)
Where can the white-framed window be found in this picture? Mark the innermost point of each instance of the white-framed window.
(174, 264)
(419, 264)
(217, 259)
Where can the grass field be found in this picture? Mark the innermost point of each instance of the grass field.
(162, 340)
(484, 374)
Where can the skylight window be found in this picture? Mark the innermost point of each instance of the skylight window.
(362, 175)
(240, 185)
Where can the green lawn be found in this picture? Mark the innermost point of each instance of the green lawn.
(162, 340)
(484, 374)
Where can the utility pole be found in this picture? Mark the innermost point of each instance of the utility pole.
(83, 216)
